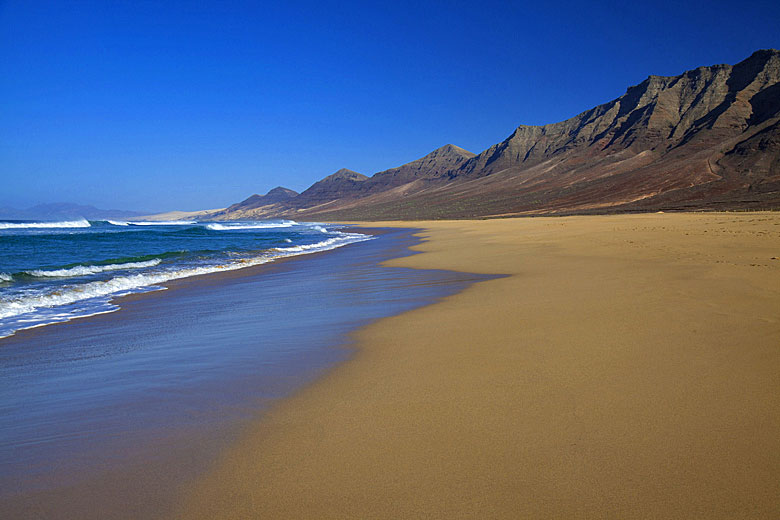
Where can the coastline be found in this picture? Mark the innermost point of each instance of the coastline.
(167, 288)
(107, 416)
(111, 297)
(626, 366)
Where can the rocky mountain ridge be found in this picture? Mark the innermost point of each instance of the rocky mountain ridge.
(708, 138)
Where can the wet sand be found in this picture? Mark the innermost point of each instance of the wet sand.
(627, 367)
(106, 417)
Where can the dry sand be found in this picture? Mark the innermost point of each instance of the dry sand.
(628, 367)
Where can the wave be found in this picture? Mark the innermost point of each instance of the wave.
(252, 225)
(83, 223)
(150, 223)
(325, 245)
(125, 284)
(83, 270)
(5, 277)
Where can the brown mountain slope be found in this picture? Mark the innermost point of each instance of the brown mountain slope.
(271, 202)
(349, 187)
(435, 164)
(708, 138)
(276, 195)
(331, 188)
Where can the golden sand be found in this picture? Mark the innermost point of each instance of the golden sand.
(628, 367)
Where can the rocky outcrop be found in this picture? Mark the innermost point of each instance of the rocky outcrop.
(707, 104)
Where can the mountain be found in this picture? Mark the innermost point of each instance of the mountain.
(333, 187)
(65, 211)
(347, 186)
(706, 139)
(436, 163)
(256, 205)
(276, 195)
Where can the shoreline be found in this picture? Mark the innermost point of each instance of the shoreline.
(117, 410)
(626, 366)
(177, 283)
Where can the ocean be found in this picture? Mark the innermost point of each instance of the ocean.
(56, 271)
(99, 411)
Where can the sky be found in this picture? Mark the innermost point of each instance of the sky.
(163, 105)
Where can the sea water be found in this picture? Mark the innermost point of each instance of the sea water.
(56, 271)
(100, 411)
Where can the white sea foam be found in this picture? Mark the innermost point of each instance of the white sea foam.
(83, 270)
(320, 229)
(45, 317)
(250, 225)
(5, 277)
(309, 247)
(118, 222)
(160, 223)
(38, 305)
(45, 225)
(339, 240)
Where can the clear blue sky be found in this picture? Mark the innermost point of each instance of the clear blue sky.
(158, 105)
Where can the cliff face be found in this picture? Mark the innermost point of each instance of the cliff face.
(705, 105)
(708, 138)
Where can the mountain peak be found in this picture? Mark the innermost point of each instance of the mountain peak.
(275, 196)
(433, 165)
(332, 187)
(706, 138)
(345, 174)
(282, 192)
(450, 150)
(764, 54)
(278, 194)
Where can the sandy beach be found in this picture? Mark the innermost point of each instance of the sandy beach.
(625, 367)
(108, 416)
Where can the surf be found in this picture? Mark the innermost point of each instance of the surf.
(36, 296)
(83, 270)
(83, 223)
(250, 225)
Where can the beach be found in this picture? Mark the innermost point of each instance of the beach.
(623, 366)
(109, 416)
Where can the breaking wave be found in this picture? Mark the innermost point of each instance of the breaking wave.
(251, 225)
(85, 299)
(83, 223)
(151, 223)
(83, 270)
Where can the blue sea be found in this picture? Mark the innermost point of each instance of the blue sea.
(56, 271)
(99, 411)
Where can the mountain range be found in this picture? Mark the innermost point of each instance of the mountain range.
(708, 139)
(65, 211)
